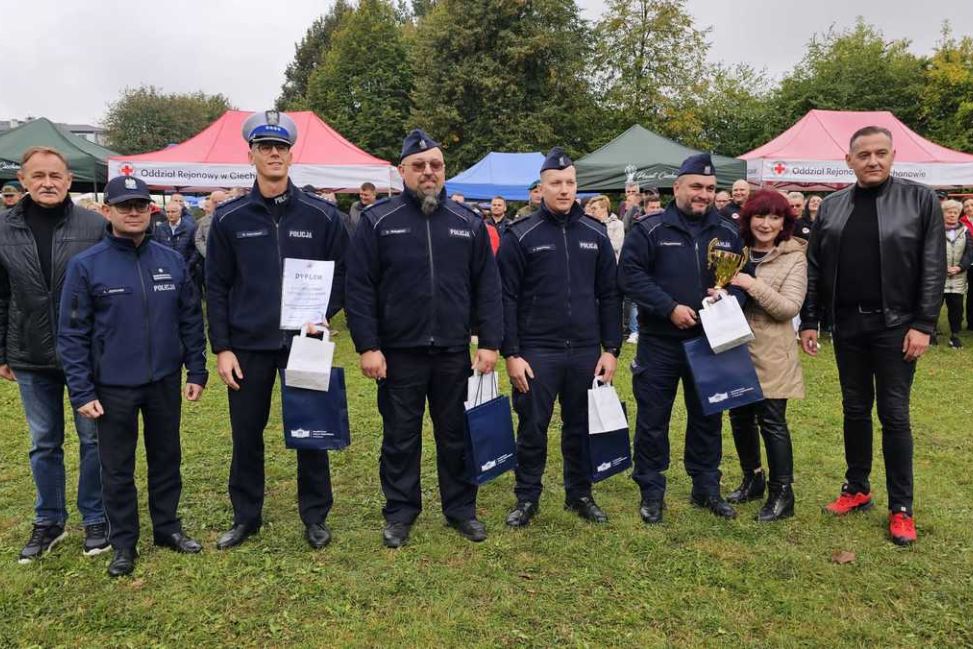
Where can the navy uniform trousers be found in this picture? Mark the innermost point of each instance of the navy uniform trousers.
(564, 374)
(249, 412)
(118, 434)
(413, 375)
(659, 366)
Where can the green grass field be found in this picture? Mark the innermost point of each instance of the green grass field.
(694, 581)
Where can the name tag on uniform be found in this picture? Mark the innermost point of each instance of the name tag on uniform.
(542, 248)
(388, 232)
(121, 290)
(456, 232)
(670, 243)
(588, 245)
(250, 234)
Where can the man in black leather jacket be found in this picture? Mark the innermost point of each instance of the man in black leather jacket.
(877, 265)
(40, 234)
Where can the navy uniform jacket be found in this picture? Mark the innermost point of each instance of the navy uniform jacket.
(559, 283)
(422, 281)
(129, 316)
(664, 265)
(245, 255)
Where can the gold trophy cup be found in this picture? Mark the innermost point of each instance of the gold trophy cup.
(725, 264)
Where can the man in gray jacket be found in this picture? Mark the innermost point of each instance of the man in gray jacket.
(41, 234)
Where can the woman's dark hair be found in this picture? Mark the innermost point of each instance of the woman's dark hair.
(807, 205)
(761, 203)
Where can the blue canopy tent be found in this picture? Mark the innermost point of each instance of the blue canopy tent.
(498, 174)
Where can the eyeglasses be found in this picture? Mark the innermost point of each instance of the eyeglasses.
(132, 206)
(267, 147)
(419, 166)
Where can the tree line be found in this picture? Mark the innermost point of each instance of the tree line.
(522, 75)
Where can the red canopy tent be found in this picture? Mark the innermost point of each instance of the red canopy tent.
(217, 157)
(811, 154)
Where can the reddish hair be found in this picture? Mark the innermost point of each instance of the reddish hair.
(761, 203)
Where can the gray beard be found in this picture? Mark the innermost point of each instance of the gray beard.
(429, 203)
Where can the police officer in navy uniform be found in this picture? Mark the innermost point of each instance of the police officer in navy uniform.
(249, 239)
(664, 270)
(130, 319)
(421, 277)
(562, 328)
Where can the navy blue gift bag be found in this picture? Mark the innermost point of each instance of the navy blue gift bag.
(605, 454)
(725, 380)
(490, 446)
(316, 420)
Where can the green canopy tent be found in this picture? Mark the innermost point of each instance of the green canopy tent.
(86, 160)
(647, 158)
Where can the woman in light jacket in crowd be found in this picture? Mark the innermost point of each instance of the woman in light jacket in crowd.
(600, 207)
(776, 294)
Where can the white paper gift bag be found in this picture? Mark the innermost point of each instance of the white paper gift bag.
(724, 324)
(309, 363)
(605, 414)
(481, 388)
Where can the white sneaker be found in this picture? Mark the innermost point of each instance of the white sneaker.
(633, 338)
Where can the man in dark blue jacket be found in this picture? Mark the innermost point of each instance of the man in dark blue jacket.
(249, 239)
(129, 320)
(664, 270)
(421, 277)
(178, 233)
(562, 328)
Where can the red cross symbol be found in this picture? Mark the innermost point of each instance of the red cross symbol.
(778, 168)
(126, 169)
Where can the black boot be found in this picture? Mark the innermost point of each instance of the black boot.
(751, 488)
(779, 505)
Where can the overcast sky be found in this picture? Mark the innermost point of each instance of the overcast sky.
(68, 60)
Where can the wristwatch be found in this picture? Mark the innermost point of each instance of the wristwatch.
(614, 351)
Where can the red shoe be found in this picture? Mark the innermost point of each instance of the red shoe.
(902, 529)
(849, 502)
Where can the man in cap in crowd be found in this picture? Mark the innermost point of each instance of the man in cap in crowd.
(421, 276)
(249, 239)
(366, 197)
(739, 193)
(562, 328)
(130, 319)
(12, 193)
(40, 234)
(534, 194)
(657, 262)
(876, 262)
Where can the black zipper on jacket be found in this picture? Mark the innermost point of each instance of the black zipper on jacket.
(145, 305)
(567, 264)
(280, 275)
(432, 283)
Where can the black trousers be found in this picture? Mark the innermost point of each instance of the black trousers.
(565, 375)
(249, 412)
(954, 311)
(969, 300)
(870, 365)
(659, 366)
(414, 376)
(767, 418)
(118, 431)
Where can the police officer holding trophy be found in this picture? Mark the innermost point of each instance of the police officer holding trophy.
(664, 270)
(421, 277)
(250, 238)
(562, 327)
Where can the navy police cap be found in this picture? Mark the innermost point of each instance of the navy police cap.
(556, 159)
(700, 164)
(270, 126)
(126, 188)
(417, 141)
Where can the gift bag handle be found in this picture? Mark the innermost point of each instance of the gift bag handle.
(479, 386)
(325, 332)
(596, 381)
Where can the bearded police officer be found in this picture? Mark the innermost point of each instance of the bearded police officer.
(421, 276)
(129, 319)
(665, 272)
(249, 239)
(562, 326)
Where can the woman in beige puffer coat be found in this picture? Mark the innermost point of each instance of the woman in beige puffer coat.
(776, 292)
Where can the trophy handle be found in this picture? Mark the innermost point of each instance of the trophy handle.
(710, 248)
(744, 258)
